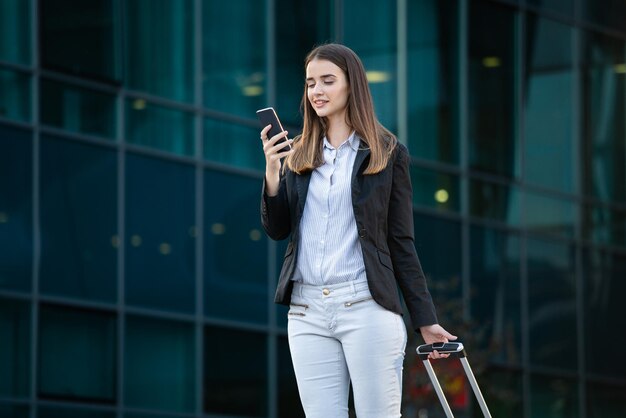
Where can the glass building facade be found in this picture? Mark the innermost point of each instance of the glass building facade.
(136, 280)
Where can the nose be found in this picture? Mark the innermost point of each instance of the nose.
(317, 89)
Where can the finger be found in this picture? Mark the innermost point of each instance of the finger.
(277, 137)
(265, 131)
(274, 148)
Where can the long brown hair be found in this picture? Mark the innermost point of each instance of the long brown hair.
(360, 116)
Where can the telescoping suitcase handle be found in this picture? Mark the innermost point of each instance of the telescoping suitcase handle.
(456, 350)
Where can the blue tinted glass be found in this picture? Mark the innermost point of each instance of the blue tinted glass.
(235, 387)
(78, 220)
(160, 369)
(288, 399)
(16, 210)
(159, 127)
(91, 27)
(605, 287)
(495, 293)
(610, 14)
(14, 411)
(553, 397)
(432, 73)
(435, 190)
(15, 95)
(552, 304)
(603, 225)
(77, 354)
(376, 45)
(77, 110)
(160, 234)
(15, 30)
(159, 47)
(235, 248)
(561, 6)
(235, 78)
(58, 412)
(549, 146)
(232, 144)
(605, 400)
(502, 390)
(15, 348)
(492, 89)
(495, 201)
(548, 215)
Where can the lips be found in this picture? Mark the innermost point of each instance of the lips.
(319, 103)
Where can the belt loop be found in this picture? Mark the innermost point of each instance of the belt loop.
(353, 287)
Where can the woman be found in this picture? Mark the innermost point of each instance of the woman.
(344, 197)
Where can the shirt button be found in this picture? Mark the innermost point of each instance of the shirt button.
(326, 292)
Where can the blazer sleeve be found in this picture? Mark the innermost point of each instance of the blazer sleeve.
(275, 216)
(401, 242)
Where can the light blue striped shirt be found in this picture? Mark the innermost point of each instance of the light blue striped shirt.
(329, 248)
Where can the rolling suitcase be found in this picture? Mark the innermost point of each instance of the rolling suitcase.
(456, 350)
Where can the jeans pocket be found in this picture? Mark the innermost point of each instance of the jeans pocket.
(354, 302)
(297, 309)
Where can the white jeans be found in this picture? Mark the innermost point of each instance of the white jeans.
(338, 334)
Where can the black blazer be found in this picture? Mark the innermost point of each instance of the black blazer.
(383, 209)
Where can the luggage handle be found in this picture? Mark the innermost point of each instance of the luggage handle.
(456, 350)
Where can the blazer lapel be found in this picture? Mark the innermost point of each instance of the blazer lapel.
(302, 186)
(361, 156)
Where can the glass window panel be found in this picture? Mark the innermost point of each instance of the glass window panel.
(549, 215)
(15, 95)
(432, 80)
(608, 13)
(491, 84)
(78, 110)
(159, 362)
(605, 400)
(235, 248)
(289, 405)
(77, 354)
(235, 387)
(233, 144)
(554, 397)
(548, 146)
(139, 415)
(495, 293)
(14, 411)
(59, 412)
(565, 7)
(605, 287)
(495, 201)
(235, 78)
(16, 209)
(604, 106)
(160, 234)
(435, 189)
(376, 45)
(159, 127)
(300, 26)
(91, 27)
(603, 225)
(15, 31)
(552, 304)
(78, 220)
(159, 47)
(503, 391)
(15, 348)
(438, 243)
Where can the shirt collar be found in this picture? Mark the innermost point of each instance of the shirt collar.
(353, 142)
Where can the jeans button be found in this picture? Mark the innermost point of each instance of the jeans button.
(326, 292)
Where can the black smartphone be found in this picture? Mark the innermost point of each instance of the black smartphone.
(268, 116)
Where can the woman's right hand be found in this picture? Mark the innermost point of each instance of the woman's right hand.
(273, 154)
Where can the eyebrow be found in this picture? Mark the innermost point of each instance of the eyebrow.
(323, 76)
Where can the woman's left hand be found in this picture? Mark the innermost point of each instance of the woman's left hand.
(436, 334)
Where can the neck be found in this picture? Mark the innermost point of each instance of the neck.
(338, 130)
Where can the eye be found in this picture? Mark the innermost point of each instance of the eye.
(328, 83)
(310, 86)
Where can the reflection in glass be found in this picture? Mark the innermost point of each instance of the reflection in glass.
(376, 45)
(15, 348)
(549, 148)
(605, 400)
(68, 26)
(16, 209)
(77, 110)
(235, 248)
(15, 95)
(78, 220)
(159, 47)
(604, 292)
(77, 354)
(160, 234)
(235, 372)
(299, 27)
(552, 396)
(159, 364)
(435, 189)
(495, 201)
(233, 144)
(289, 405)
(159, 127)
(604, 101)
(552, 304)
(15, 31)
(549, 215)
(432, 73)
(234, 66)
(491, 85)
(604, 225)
(495, 293)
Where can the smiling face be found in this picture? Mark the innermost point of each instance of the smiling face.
(327, 88)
